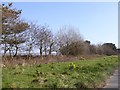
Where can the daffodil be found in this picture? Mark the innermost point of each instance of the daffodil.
(74, 65)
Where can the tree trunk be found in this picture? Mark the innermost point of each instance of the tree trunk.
(50, 48)
(45, 50)
(41, 50)
(10, 53)
(67, 49)
(5, 49)
(16, 51)
(40, 47)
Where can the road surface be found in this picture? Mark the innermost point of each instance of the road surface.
(114, 81)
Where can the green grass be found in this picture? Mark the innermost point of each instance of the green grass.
(74, 74)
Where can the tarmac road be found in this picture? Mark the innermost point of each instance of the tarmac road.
(113, 81)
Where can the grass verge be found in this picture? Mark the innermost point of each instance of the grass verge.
(74, 74)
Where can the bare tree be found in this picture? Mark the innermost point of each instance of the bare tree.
(99, 49)
(93, 49)
(30, 36)
(39, 38)
(67, 36)
(43, 39)
(51, 45)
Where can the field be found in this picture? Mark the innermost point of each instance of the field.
(88, 73)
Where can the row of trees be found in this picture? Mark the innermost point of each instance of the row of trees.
(12, 29)
(21, 36)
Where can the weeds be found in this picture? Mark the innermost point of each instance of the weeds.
(75, 74)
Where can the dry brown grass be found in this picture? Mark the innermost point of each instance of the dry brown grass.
(24, 60)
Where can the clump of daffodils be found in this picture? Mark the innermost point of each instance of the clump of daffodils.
(72, 66)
